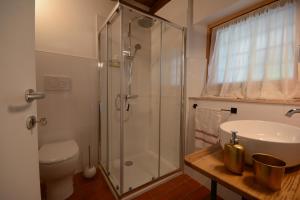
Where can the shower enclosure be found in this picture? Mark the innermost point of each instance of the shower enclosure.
(141, 64)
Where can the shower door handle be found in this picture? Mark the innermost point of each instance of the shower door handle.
(118, 102)
(132, 96)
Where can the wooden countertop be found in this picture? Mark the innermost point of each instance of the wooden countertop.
(209, 162)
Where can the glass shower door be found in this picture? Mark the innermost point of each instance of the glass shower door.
(141, 90)
(141, 100)
(114, 100)
(171, 98)
(110, 100)
(103, 104)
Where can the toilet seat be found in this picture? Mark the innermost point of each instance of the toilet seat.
(57, 152)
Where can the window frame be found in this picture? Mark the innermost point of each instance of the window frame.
(228, 19)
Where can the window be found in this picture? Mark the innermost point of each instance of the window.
(255, 57)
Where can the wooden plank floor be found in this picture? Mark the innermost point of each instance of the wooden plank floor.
(91, 189)
(182, 187)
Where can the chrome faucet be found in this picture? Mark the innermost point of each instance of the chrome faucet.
(292, 112)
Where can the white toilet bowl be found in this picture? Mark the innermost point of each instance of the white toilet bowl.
(58, 163)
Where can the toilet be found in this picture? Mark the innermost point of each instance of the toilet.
(58, 162)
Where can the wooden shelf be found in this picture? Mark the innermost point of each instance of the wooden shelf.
(209, 162)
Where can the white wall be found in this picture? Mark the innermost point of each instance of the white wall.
(71, 114)
(69, 26)
(205, 12)
(246, 111)
(66, 45)
(175, 11)
(208, 11)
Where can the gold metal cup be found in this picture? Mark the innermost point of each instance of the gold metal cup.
(268, 170)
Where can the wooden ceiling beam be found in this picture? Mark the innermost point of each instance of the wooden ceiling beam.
(158, 5)
(150, 6)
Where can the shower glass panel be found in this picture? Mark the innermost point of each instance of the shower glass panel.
(170, 98)
(114, 100)
(102, 65)
(141, 62)
(141, 90)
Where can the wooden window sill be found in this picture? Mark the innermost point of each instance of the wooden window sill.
(295, 102)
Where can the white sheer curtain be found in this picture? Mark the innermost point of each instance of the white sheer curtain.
(256, 57)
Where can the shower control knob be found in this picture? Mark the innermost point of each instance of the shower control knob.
(32, 121)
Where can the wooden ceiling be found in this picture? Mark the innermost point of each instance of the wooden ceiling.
(153, 5)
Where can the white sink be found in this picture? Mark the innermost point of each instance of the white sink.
(279, 140)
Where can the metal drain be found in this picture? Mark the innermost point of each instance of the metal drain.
(128, 163)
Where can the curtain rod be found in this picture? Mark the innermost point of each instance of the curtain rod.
(243, 13)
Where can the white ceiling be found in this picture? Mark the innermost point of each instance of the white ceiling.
(205, 11)
(175, 11)
(208, 11)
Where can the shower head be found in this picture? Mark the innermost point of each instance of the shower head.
(145, 22)
(142, 21)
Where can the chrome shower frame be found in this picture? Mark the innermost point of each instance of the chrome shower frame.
(118, 10)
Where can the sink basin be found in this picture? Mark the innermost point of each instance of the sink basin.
(279, 140)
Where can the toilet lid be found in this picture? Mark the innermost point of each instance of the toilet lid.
(57, 152)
